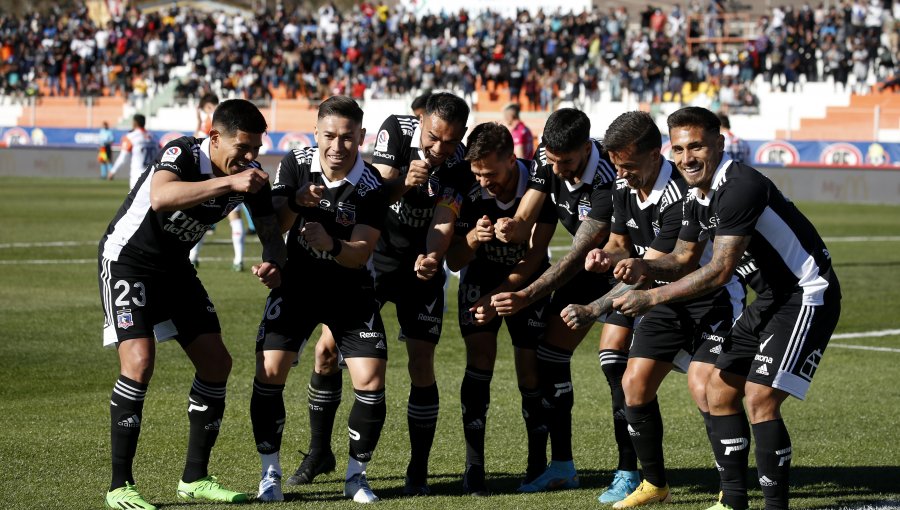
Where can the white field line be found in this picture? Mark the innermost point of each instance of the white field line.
(828, 240)
(44, 262)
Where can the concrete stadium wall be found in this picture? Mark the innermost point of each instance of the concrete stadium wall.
(880, 186)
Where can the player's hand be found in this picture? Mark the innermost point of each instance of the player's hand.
(417, 173)
(509, 303)
(597, 261)
(249, 181)
(309, 196)
(580, 316)
(633, 303)
(505, 228)
(268, 274)
(426, 267)
(317, 237)
(483, 311)
(484, 230)
(631, 271)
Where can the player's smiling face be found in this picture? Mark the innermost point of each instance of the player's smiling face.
(697, 154)
(232, 154)
(339, 139)
(569, 165)
(496, 174)
(639, 170)
(439, 138)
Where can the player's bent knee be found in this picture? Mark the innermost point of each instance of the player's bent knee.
(764, 404)
(637, 391)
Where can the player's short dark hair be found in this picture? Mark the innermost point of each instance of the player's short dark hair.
(694, 116)
(140, 120)
(633, 129)
(566, 130)
(236, 115)
(515, 108)
(341, 106)
(488, 138)
(209, 98)
(723, 120)
(420, 102)
(448, 107)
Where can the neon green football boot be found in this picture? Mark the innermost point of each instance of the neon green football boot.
(209, 489)
(127, 498)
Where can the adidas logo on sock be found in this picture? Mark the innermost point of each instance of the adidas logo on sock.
(133, 422)
(214, 425)
(765, 481)
(762, 370)
(632, 432)
(264, 446)
(475, 424)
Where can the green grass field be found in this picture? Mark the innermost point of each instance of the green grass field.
(56, 380)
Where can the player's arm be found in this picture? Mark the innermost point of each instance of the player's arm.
(617, 248)
(393, 185)
(589, 234)
(437, 240)
(123, 159)
(534, 256)
(274, 252)
(727, 253)
(169, 193)
(352, 253)
(518, 228)
(463, 247)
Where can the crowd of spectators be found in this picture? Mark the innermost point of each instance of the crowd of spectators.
(377, 51)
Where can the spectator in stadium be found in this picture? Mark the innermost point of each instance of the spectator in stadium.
(332, 205)
(523, 139)
(776, 345)
(492, 267)
(150, 292)
(736, 148)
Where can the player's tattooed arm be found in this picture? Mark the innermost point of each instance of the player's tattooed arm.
(582, 316)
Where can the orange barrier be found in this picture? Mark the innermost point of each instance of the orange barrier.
(73, 112)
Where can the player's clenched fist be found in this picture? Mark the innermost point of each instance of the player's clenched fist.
(631, 271)
(309, 196)
(426, 267)
(633, 303)
(484, 230)
(597, 261)
(417, 173)
(505, 228)
(508, 303)
(249, 181)
(268, 274)
(482, 311)
(317, 237)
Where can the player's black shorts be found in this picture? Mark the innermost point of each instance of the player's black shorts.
(420, 303)
(779, 341)
(681, 333)
(294, 310)
(147, 303)
(526, 328)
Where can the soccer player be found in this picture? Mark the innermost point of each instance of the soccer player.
(138, 148)
(574, 171)
(776, 345)
(149, 288)
(491, 266)
(647, 215)
(422, 162)
(523, 140)
(333, 205)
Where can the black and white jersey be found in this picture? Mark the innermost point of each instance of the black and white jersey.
(788, 251)
(656, 222)
(357, 199)
(494, 254)
(160, 239)
(408, 219)
(590, 198)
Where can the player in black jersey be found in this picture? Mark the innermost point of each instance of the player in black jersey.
(489, 266)
(150, 289)
(332, 204)
(646, 219)
(574, 171)
(773, 350)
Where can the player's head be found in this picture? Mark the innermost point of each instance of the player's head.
(633, 142)
(419, 103)
(697, 144)
(443, 126)
(139, 121)
(489, 149)
(567, 142)
(511, 112)
(339, 133)
(208, 102)
(236, 135)
(723, 120)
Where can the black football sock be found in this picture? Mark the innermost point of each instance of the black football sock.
(536, 428)
(645, 426)
(126, 406)
(475, 396)
(324, 398)
(555, 367)
(206, 405)
(267, 415)
(613, 364)
(365, 423)
(707, 423)
(422, 416)
(773, 462)
(730, 438)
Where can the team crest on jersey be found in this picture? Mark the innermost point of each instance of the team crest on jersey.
(124, 320)
(346, 214)
(583, 210)
(170, 155)
(381, 142)
(433, 186)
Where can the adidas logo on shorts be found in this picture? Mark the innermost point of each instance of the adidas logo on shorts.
(436, 330)
(762, 370)
(716, 350)
(380, 345)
